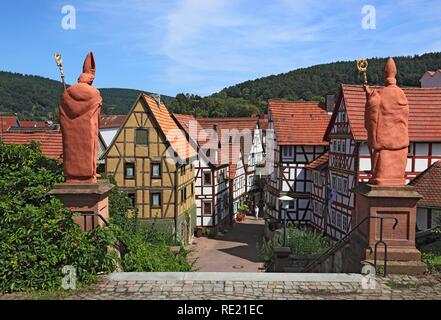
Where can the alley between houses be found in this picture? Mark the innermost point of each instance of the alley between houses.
(233, 251)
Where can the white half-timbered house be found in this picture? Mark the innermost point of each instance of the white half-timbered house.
(349, 157)
(318, 171)
(240, 147)
(299, 129)
(211, 185)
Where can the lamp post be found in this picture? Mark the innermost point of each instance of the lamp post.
(285, 204)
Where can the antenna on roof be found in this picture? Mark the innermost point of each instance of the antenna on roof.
(157, 98)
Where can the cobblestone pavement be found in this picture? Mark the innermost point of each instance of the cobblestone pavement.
(393, 287)
(235, 251)
(390, 288)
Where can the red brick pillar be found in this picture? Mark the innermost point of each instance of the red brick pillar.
(89, 200)
(397, 206)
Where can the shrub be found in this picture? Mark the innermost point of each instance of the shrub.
(433, 262)
(37, 234)
(300, 241)
(143, 256)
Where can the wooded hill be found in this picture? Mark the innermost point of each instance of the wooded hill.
(317, 81)
(37, 98)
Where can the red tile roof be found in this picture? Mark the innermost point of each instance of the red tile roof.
(263, 122)
(319, 163)
(178, 141)
(195, 130)
(428, 184)
(33, 124)
(6, 122)
(299, 123)
(112, 121)
(424, 115)
(233, 154)
(229, 123)
(51, 142)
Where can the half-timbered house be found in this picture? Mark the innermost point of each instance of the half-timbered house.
(211, 185)
(349, 155)
(151, 159)
(241, 148)
(428, 184)
(299, 129)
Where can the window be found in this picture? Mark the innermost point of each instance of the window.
(156, 170)
(182, 196)
(132, 198)
(183, 170)
(334, 182)
(333, 216)
(207, 178)
(287, 151)
(345, 223)
(129, 170)
(207, 208)
(339, 220)
(192, 189)
(334, 145)
(208, 153)
(230, 139)
(343, 146)
(156, 200)
(141, 136)
(185, 193)
(291, 204)
(345, 185)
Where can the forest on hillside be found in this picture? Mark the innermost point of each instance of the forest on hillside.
(37, 98)
(34, 97)
(318, 81)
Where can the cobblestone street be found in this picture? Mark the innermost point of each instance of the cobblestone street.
(314, 287)
(234, 251)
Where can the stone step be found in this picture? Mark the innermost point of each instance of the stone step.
(237, 276)
(401, 267)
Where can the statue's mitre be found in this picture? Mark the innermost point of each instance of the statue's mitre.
(89, 64)
(390, 72)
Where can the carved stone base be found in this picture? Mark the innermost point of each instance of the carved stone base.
(397, 205)
(89, 200)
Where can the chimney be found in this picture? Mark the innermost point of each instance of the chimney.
(330, 102)
(157, 98)
(215, 127)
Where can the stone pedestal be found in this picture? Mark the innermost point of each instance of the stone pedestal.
(397, 202)
(89, 200)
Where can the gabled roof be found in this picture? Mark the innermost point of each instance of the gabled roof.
(166, 124)
(112, 121)
(179, 143)
(428, 184)
(319, 163)
(51, 142)
(7, 121)
(424, 113)
(299, 123)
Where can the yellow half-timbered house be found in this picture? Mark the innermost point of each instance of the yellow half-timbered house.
(152, 160)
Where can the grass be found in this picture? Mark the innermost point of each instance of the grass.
(396, 285)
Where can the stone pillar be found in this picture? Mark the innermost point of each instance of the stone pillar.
(398, 202)
(90, 200)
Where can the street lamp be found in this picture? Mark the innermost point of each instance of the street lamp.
(285, 204)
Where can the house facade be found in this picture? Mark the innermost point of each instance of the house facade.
(151, 159)
(211, 176)
(349, 156)
(428, 184)
(240, 149)
(298, 140)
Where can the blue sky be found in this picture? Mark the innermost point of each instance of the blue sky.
(202, 46)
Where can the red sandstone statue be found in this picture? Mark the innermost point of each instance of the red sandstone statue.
(79, 117)
(386, 122)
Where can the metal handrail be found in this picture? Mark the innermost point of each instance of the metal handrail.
(342, 241)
